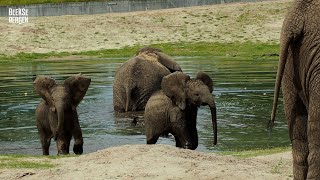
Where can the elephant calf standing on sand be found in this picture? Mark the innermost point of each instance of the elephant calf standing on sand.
(174, 109)
(139, 77)
(299, 71)
(56, 115)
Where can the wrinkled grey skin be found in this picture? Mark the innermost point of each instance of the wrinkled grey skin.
(173, 109)
(139, 77)
(56, 115)
(299, 71)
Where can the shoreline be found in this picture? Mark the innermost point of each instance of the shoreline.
(243, 49)
(153, 161)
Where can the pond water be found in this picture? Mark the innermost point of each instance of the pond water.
(243, 93)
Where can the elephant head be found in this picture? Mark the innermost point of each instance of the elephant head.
(159, 56)
(62, 99)
(188, 94)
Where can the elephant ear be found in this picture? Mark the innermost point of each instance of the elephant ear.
(174, 86)
(43, 86)
(206, 79)
(168, 62)
(77, 86)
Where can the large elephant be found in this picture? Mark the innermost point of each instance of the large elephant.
(139, 77)
(173, 109)
(56, 115)
(299, 71)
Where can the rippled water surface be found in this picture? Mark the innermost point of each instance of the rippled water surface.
(243, 92)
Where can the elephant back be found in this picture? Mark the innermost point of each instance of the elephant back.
(140, 78)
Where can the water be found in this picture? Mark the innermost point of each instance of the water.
(243, 93)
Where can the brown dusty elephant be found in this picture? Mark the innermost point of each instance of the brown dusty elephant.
(173, 109)
(299, 71)
(139, 77)
(56, 115)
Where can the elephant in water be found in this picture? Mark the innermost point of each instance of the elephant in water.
(174, 109)
(139, 77)
(56, 115)
(299, 71)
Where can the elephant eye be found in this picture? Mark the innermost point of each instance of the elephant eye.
(197, 94)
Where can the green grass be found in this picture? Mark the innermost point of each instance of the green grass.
(25, 2)
(27, 161)
(247, 49)
(256, 152)
(21, 161)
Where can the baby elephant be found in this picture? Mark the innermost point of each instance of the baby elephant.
(174, 109)
(57, 116)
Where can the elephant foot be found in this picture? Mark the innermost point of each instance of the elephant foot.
(78, 149)
(134, 121)
(62, 153)
(152, 140)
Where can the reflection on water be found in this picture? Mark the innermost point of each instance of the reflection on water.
(243, 92)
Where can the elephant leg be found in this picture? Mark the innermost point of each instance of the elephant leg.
(63, 143)
(152, 140)
(45, 143)
(314, 131)
(78, 139)
(68, 140)
(297, 117)
(178, 143)
(298, 132)
(45, 140)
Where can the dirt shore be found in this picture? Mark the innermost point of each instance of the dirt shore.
(236, 22)
(159, 162)
(239, 22)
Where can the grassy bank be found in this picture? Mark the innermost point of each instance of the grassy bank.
(25, 2)
(28, 161)
(256, 152)
(248, 49)
(24, 161)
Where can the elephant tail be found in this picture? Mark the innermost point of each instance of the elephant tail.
(282, 62)
(128, 97)
(131, 96)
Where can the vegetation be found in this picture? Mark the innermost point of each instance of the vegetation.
(256, 152)
(27, 161)
(23, 161)
(247, 49)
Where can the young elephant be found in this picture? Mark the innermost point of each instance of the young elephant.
(174, 109)
(57, 116)
(138, 78)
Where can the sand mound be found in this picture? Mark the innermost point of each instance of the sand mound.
(160, 162)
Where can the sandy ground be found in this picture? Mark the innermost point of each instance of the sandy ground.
(219, 23)
(159, 162)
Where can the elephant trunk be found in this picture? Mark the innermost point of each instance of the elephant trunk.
(60, 113)
(209, 100)
(214, 122)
